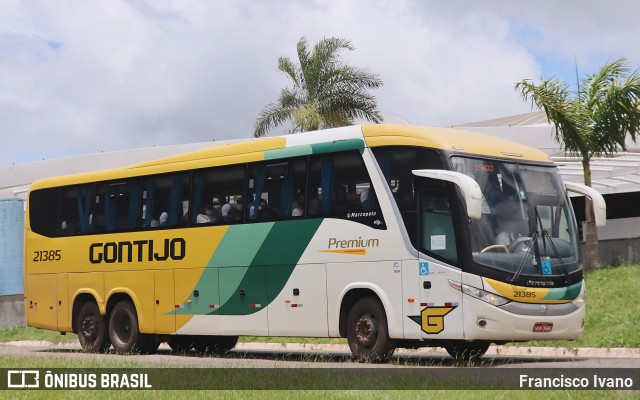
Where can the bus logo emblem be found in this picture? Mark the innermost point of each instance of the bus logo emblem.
(431, 319)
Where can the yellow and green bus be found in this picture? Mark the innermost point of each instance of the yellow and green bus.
(389, 236)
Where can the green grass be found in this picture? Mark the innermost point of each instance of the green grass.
(613, 316)
(26, 333)
(613, 310)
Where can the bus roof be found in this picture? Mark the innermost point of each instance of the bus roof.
(336, 139)
(454, 140)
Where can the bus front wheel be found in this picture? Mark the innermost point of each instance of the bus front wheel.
(91, 328)
(367, 331)
(125, 333)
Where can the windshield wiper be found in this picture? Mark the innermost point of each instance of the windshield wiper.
(556, 253)
(534, 240)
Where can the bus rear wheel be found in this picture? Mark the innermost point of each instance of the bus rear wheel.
(216, 345)
(367, 331)
(91, 328)
(125, 333)
(463, 351)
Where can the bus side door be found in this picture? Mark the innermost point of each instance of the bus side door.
(440, 303)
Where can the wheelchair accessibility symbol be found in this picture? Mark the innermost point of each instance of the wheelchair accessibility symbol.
(424, 268)
(546, 267)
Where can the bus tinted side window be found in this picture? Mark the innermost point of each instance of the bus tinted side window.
(165, 200)
(217, 196)
(437, 228)
(396, 163)
(340, 187)
(43, 212)
(76, 214)
(276, 190)
(117, 206)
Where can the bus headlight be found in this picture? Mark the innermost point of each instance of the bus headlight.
(579, 301)
(487, 297)
(582, 297)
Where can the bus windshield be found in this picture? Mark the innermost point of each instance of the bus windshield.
(527, 225)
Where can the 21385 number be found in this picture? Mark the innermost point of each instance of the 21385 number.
(524, 294)
(47, 255)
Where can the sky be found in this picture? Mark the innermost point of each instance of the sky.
(88, 76)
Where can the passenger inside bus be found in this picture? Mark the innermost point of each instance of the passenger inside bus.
(164, 217)
(236, 211)
(298, 205)
(216, 217)
(206, 215)
(340, 203)
(264, 211)
(507, 227)
(509, 224)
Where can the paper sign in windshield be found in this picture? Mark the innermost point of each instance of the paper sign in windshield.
(438, 242)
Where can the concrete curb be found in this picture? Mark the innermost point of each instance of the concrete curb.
(495, 351)
(507, 351)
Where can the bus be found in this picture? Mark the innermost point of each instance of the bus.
(389, 236)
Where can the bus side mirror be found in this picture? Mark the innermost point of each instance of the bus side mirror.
(599, 205)
(469, 187)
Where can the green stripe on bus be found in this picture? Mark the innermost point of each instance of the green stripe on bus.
(573, 291)
(255, 258)
(565, 293)
(287, 152)
(319, 148)
(236, 250)
(339, 145)
(240, 244)
(271, 268)
(286, 242)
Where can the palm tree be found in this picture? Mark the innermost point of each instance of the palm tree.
(325, 94)
(593, 121)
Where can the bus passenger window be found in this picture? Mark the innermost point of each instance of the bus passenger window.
(116, 206)
(75, 210)
(396, 163)
(43, 212)
(277, 190)
(165, 200)
(217, 196)
(340, 187)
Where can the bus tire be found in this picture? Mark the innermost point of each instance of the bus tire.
(91, 328)
(367, 331)
(181, 343)
(124, 330)
(214, 345)
(150, 344)
(465, 352)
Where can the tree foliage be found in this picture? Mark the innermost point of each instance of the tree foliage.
(592, 121)
(325, 93)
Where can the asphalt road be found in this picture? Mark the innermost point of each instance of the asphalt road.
(270, 355)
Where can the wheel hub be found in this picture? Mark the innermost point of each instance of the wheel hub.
(89, 328)
(366, 332)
